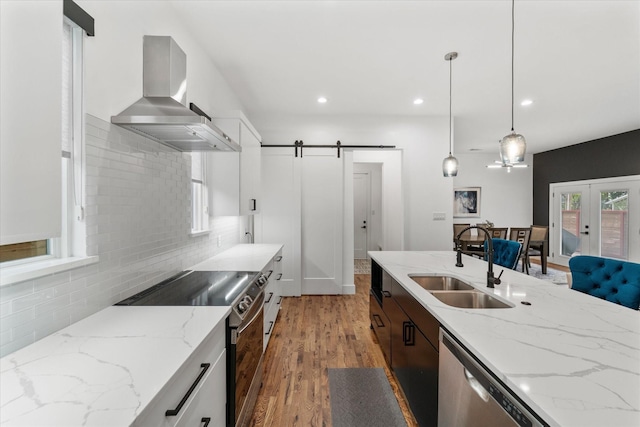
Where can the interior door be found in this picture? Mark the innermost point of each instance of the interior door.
(597, 217)
(279, 218)
(322, 200)
(361, 203)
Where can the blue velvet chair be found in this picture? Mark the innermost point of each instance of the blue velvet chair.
(506, 253)
(610, 279)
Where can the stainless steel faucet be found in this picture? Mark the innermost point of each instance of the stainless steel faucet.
(491, 280)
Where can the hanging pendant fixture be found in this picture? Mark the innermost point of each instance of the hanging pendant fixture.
(450, 163)
(512, 146)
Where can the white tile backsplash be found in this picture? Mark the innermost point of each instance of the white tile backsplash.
(138, 220)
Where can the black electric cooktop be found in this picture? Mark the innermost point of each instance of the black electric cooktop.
(212, 288)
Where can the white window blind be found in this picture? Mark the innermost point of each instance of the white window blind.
(30, 131)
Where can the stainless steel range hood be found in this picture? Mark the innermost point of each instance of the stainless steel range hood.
(161, 113)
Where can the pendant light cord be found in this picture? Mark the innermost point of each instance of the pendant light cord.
(513, 25)
(450, 101)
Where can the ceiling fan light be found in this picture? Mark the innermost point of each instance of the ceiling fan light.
(512, 148)
(450, 166)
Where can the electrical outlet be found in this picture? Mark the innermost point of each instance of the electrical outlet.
(439, 216)
(219, 240)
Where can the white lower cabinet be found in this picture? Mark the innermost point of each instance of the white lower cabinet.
(208, 405)
(196, 391)
(272, 296)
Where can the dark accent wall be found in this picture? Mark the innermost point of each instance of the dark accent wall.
(617, 155)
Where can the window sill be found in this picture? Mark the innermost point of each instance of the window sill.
(196, 233)
(34, 270)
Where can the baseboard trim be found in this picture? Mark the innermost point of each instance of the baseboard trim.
(349, 289)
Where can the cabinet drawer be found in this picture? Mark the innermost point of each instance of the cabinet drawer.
(209, 401)
(170, 396)
(270, 296)
(381, 326)
(270, 319)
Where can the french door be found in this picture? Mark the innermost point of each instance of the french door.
(595, 217)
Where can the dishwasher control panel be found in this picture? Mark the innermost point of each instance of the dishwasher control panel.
(504, 401)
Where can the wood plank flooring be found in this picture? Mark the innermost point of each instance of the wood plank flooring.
(312, 334)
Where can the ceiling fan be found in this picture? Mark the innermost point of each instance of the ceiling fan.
(500, 164)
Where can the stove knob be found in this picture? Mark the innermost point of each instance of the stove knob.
(262, 280)
(247, 299)
(242, 307)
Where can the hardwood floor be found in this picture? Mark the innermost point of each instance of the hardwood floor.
(312, 334)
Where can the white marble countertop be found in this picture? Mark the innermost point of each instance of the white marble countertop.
(243, 257)
(573, 358)
(107, 368)
(103, 370)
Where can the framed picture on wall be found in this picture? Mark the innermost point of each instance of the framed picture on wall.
(466, 202)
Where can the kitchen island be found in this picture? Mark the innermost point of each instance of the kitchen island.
(572, 358)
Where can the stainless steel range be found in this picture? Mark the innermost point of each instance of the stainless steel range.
(243, 291)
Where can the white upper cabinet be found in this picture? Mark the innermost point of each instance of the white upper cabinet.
(233, 179)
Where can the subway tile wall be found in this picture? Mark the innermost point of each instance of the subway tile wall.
(138, 220)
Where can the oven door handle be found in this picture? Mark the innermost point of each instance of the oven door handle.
(258, 302)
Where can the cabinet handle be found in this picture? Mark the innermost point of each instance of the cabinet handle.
(386, 294)
(408, 334)
(269, 274)
(279, 258)
(378, 320)
(279, 276)
(253, 205)
(270, 327)
(268, 300)
(174, 412)
(206, 421)
(279, 300)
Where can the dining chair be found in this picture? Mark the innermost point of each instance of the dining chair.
(506, 253)
(522, 235)
(498, 232)
(457, 228)
(539, 235)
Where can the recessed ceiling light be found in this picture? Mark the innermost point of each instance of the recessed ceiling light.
(526, 102)
(322, 100)
(418, 101)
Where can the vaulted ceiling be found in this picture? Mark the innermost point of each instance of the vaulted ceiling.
(578, 61)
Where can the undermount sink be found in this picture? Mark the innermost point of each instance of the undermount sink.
(441, 283)
(466, 299)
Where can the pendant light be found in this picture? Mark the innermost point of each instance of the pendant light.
(512, 146)
(450, 164)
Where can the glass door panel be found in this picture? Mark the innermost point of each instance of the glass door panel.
(614, 224)
(574, 216)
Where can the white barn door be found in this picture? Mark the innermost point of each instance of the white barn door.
(322, 196)
(302, 208)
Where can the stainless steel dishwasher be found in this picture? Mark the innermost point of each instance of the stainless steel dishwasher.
(469, 396)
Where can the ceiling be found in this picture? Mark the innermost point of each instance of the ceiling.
(579, 61)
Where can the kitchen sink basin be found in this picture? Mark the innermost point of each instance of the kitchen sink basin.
(467, 299)
(441, 283)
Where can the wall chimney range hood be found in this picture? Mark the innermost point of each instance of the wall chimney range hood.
(161, 113)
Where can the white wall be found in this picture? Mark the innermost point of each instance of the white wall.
(138, 201)
(506, 198)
